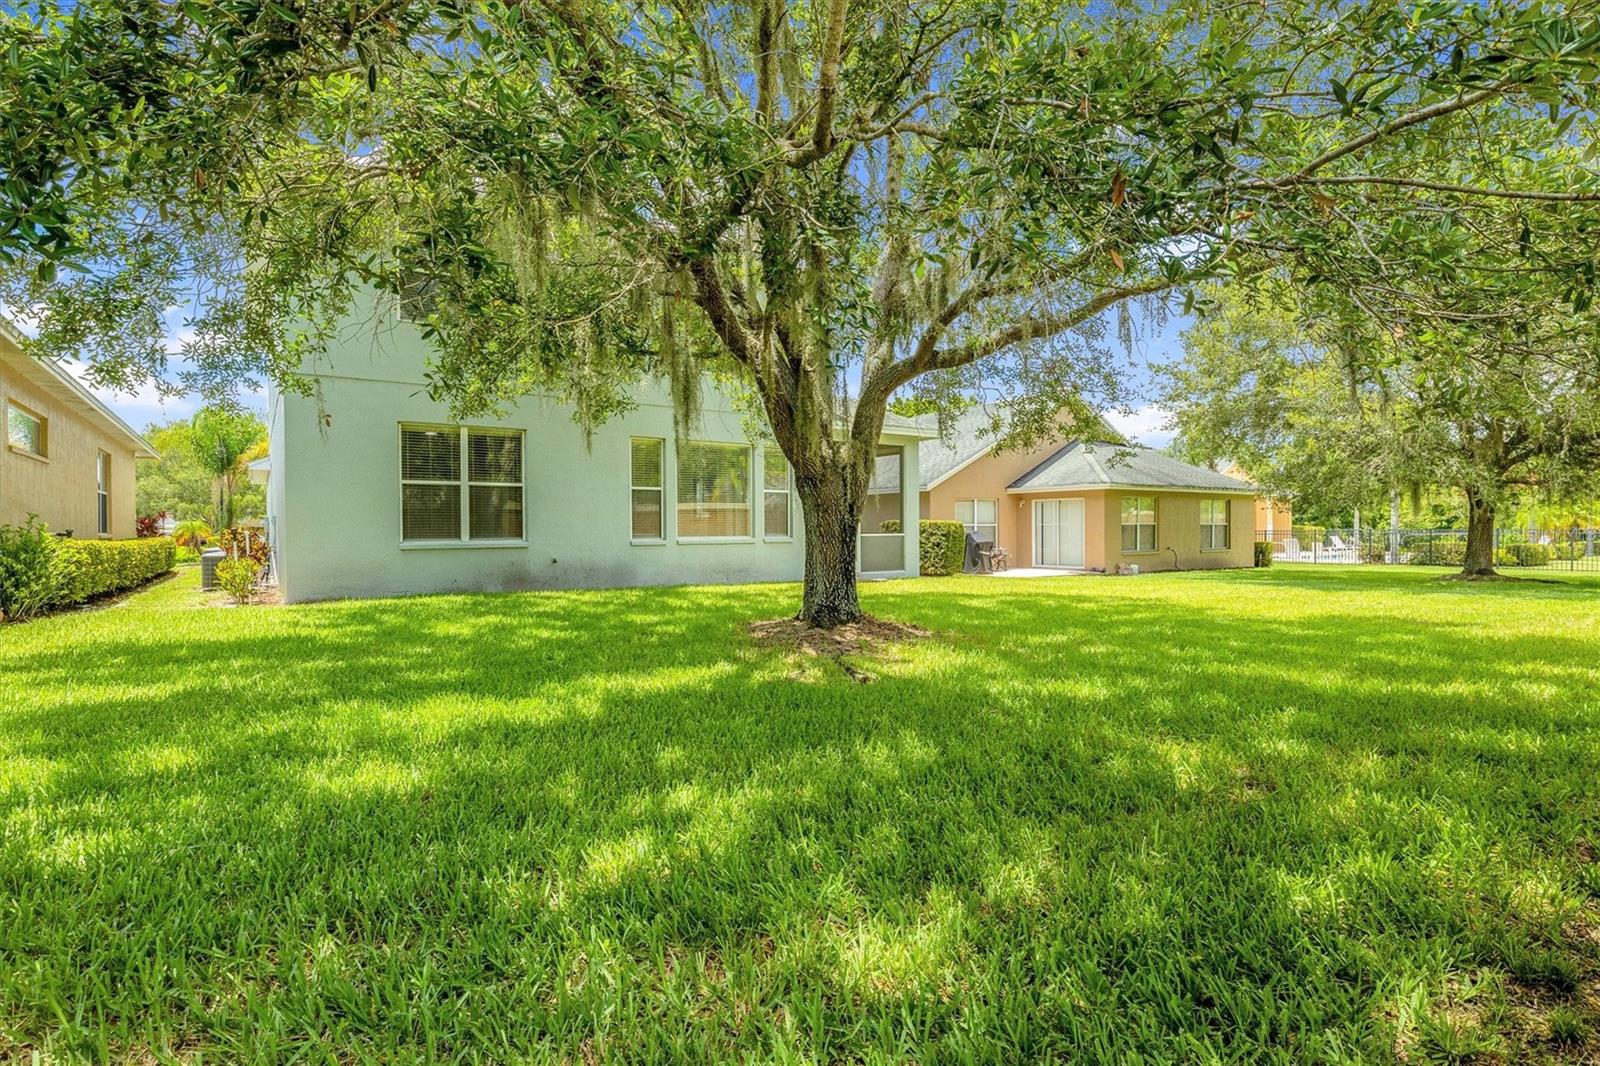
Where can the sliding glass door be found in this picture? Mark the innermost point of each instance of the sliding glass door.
(1058, 533)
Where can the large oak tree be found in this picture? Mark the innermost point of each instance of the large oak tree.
(825, 203)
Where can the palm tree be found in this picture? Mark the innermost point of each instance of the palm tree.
(220, 438)
(191, 533)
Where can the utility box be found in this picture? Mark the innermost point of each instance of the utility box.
(208, 566)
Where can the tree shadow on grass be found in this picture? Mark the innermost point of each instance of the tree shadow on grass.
(1082, 823)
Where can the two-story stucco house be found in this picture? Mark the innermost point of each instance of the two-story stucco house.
(68, 458)
(372, 488)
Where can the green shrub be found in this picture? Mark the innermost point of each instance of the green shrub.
(941, 546)
(1519, 554)
(91, 568)
(1263, 553)
(1567, 550)
(238, 577)
(1451, 551)
(239, 542)
(30, 580)
(186, 555)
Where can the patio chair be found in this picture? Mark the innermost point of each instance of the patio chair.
(999, 559)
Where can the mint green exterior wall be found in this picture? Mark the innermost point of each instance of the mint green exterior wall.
(333, 492)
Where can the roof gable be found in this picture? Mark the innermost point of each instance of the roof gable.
(53, 377)
(1099, 464)
(965, 439)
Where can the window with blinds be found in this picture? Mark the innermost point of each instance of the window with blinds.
(1213, 525)
(460, 484)
(646, 483)
(1138, 523)
(713, 490)
(776, 491)
(419, 297)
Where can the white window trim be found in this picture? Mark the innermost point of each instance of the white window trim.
(1154, 524)
(749, 501)
(102, 493)
(661, 488)
(975, 525)
(788, 498)
(463, 432)
(1226, 525)
(38, 419)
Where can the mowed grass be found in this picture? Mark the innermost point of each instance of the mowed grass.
(1296, 815)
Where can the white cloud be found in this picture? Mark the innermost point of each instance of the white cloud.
(1146, 425)
(140, 407)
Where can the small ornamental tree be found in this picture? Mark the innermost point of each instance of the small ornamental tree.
(825, 204)
(218, 441)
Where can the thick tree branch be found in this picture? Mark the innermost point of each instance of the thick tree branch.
(1461, 102)
(827, 89)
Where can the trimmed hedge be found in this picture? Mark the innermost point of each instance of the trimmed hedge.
(1263, 553)
(1451, 552)
(91, 568)
(1524, 555)
(38, 572)
(941, 546)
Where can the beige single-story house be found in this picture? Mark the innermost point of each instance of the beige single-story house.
(1078, 505)
(68, 458)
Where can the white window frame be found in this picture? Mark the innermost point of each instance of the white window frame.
(1208, 527)
(43, 431)
(749, 494)
(787, 492)
(1154, 524)
(659, 489)
(465, 483)
(102, 491)
(975, 526)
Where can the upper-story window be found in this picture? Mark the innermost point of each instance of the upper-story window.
(419, 295)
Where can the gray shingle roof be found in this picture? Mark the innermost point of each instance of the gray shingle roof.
(1084, 464)
(938, 458)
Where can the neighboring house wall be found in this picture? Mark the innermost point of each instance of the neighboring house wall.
(1273, 515)
(986, 478)
(334, 494)
(1177, 529)
(62, 487)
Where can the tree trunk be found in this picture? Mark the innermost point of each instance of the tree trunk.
(831, 523)
(1479, 561)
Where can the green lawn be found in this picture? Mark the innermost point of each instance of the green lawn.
(1330, 814)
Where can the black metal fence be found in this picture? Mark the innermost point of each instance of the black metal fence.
(1526, 549)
